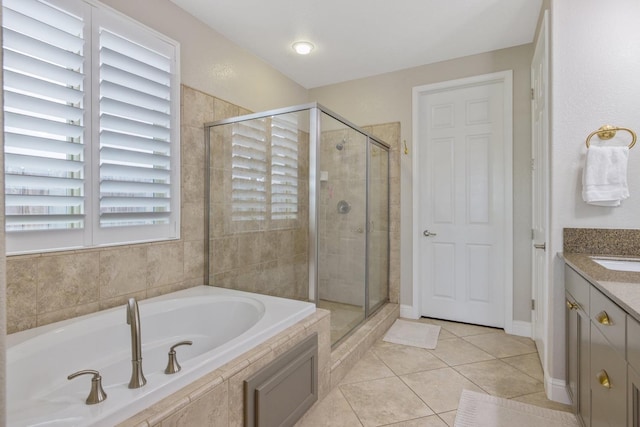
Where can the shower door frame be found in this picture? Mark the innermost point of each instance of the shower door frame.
(315, 110)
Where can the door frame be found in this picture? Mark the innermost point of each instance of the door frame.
(506, 78)
(541, 304)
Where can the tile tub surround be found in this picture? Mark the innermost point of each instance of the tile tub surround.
(47, 287)
(217, 398)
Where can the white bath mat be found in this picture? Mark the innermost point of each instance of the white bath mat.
(413, 333)
(482, 410)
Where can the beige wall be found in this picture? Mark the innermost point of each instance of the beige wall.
(213, 64)
(388, 97)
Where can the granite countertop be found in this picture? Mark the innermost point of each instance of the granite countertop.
(622, 287)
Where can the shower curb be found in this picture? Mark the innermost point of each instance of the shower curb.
(351, 350)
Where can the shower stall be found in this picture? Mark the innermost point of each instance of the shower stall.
(297, 206)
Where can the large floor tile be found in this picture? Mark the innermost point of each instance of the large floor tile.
(500, 379)
(527, 363)
(500, 345)
(458, 352)
(430, 421)
(384, 401)
(332, 411)
(440, 389)
(460, 329)
(449, 417)
(370, 367)
(403, 359)
(540, 399)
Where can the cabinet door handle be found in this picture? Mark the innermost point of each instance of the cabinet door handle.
(603, 318)
(572, 305)
(603, 379)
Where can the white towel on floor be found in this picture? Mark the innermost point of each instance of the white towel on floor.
(604, 178)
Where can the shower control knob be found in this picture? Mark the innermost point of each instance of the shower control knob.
(427, 233)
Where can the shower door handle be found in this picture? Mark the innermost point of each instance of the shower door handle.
(427, 233)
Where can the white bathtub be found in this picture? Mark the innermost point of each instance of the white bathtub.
(222, 324)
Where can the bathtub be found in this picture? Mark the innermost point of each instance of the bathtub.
(222, 324)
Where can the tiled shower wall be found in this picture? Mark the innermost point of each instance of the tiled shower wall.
(263, 256)
(48, 287)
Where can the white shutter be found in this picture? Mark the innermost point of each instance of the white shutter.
(249, 170)
(91, 127)
(135, 133)
(284, 167)
(44, 108)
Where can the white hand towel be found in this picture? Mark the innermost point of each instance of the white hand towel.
(604, 178)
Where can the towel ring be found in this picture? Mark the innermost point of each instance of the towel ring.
(607, 132)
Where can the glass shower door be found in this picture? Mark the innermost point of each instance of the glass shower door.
(378, 227)
(342, 228)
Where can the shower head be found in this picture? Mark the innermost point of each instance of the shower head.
(340, 145)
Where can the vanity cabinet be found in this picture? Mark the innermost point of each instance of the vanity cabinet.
(578, 344)
(633, 378)
(603, 356)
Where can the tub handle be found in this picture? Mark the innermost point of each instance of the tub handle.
(97, 394)
(173, 366)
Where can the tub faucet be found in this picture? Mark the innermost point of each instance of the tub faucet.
(133, 319)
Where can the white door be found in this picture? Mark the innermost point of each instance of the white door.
(462, 163)
(539, 166)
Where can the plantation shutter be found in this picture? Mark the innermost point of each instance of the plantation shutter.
(284, 167)
(44, 117)
(135, 133)
(91, 127)
(249, 170)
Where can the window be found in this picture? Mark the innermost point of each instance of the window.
(265, 169)
(91, 127)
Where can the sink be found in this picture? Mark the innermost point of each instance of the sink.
(619, 264)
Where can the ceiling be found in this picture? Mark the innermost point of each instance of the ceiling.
(361, 38)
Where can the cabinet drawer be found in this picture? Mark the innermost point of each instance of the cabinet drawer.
(633, 343)
(578, 287)
(609, 319)
(608, 383)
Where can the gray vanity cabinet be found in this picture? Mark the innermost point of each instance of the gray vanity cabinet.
(578, 344)
(633, 378)
(608, 383)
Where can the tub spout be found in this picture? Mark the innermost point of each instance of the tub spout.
(133, 319)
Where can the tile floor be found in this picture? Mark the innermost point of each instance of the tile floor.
(402, 386)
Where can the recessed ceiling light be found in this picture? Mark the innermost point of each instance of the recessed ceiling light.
(302, 48)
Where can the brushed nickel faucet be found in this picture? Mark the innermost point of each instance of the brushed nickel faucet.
(133, 319)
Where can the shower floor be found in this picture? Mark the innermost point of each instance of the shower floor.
(344, 317)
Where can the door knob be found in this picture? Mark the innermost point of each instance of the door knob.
(427, 233)
(542, 246)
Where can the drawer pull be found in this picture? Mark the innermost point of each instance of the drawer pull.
(572, 305)
(603, 318)
(603, 379)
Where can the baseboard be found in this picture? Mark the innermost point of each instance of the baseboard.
(408, 312)
(556, 390)
(520, 328)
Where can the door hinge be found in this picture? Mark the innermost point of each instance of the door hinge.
(533, 234)
(533, 304)
(533, 96)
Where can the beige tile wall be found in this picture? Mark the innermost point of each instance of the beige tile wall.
(390, 133)
(264, 256)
